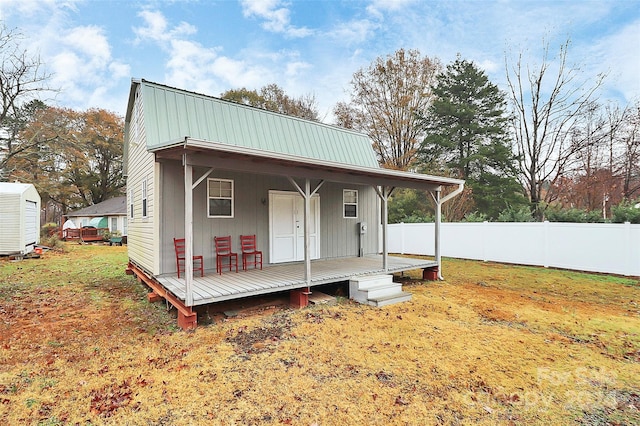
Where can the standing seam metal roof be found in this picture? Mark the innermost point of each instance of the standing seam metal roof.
(172, 114)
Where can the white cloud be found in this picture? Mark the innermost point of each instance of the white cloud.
(353, 32)
(79, 58)
(378, 7)
(294, 68)
(276, 19)
(194, 66)
(156, 28)
(615, 56)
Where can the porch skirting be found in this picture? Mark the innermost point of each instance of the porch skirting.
(274, 278)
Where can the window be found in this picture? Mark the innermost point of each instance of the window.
(131, 203)
(350, 203)
(144, 198)
(220, 194)
(114, 224)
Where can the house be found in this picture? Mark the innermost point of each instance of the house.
(90, 223)
(198, 167)
(19, 218)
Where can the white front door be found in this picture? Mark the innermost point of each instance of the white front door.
(286, 227)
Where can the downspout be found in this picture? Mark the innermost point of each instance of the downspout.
(439, 201)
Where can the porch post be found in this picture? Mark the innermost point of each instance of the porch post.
(307, 209)
(188, 230)
(306, 193)
(385, 233)
(436, 198)
(383, 194)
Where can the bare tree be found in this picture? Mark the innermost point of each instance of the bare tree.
(273, 98)
(629, 160)
(549, 104)
(21, 78)
(386, 98)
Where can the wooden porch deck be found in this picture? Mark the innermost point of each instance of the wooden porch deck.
(273, 278)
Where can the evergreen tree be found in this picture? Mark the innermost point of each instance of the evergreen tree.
(466, 128)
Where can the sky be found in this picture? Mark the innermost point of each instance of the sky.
(93, 48)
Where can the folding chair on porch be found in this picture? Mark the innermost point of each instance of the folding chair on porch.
(223, 251)
(198, 262)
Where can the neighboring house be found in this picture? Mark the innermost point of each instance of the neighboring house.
(198, 167)
(109, 215)
(19, 218)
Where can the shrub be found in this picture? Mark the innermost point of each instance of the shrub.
(48, 229)
(574, 215)
(475, 217)
(52, 242)
(511, 214)
(626, 211)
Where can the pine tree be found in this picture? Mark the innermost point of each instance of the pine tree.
(466, 127)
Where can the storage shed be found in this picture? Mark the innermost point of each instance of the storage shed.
(19, 218)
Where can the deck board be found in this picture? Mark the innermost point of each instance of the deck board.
(215, 287)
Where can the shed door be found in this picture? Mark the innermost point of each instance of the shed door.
(31, 224)
(286, 227)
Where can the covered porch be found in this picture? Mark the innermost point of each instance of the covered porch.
(282, 277)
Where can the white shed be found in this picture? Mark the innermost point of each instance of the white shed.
(19, 218)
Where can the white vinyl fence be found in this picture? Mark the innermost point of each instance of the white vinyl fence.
(607, 247)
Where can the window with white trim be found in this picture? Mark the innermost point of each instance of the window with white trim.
(220, 197)
(350, 203)
(144, 198)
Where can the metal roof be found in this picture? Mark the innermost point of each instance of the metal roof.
(172, 115)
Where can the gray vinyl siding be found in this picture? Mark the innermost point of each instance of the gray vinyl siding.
(142, 232)
(339, 237)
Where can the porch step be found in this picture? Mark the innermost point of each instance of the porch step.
(403, 296)
(377, 290)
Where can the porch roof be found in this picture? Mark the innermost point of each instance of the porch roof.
(225, 157)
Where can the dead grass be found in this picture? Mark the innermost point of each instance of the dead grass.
(492, 344)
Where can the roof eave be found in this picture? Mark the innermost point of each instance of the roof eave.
(388, 175)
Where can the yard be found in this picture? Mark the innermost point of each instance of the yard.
(492, 344)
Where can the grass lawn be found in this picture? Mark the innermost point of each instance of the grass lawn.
(492, 344)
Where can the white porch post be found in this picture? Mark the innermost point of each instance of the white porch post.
(306, 194)
(307, 254)
(383, 194)
(188, 230)
(436, 198)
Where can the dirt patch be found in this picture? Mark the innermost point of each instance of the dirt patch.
(263, 338)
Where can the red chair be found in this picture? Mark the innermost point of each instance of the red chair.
(223, 250)
(248, 246)
(178, 244)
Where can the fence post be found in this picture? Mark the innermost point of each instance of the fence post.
(401, 237)
(628, 249)
(545, 244)
(484, 237)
